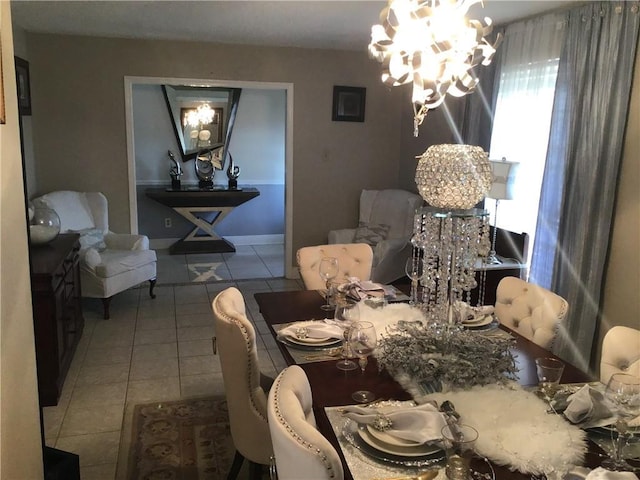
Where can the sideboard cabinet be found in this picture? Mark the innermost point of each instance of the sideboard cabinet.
(57, 311)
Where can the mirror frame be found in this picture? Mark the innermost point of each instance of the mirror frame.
(173, 106)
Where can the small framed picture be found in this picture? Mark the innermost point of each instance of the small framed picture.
(348, 104)
(24, 87)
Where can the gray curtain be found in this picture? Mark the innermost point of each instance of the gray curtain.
(585, 145)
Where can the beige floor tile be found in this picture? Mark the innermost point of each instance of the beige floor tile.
(200, 385)
(156, 309)
(156, 351)
(158, 368)
(93, 448)
(192, 348)
(108, 356)
(97, 396)
(81, 421)
(195, 320)
(152, 323)
(118, 338)
(103, 374)
(203, 364)
(159, 335)
(193, 308)
(106, 471)
(52, 421)
(195, 333)
(159, 389)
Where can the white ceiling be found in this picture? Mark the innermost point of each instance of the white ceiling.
(313, 24)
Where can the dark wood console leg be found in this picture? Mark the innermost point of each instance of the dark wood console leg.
(152, 284)
(105, 304)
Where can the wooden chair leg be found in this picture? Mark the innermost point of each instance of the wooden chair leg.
(235, 466)
(255, 471)
(105, 305)
(152, 285)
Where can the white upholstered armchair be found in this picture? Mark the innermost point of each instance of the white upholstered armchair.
(531, 310)
(385, 223)
(109, 262)
(620, 353)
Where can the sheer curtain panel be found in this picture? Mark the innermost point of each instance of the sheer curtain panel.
(585, 146)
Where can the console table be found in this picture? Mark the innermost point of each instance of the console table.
(188, 201)
(57, 311)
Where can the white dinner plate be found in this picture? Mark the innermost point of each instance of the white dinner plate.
(314, 342)
(481, 322)
(412, 451)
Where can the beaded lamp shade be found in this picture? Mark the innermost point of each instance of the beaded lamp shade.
(453, 176)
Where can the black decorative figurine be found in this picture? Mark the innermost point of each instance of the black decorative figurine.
(233, 172)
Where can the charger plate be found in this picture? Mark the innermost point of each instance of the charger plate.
(351, 432)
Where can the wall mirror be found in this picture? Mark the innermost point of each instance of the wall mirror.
(202, 118)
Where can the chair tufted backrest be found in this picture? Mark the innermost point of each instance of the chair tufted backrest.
(532, 311)
(301, 451)
(354, 260)
(620, 353)
(246, 400)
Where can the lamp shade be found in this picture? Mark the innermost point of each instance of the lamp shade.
(453, 176)
(503, 179)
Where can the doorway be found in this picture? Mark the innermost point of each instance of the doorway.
(286, 88)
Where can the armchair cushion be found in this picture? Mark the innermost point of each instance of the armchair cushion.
(371, 233)
(115, 262)
(126, 241)
(72, 208)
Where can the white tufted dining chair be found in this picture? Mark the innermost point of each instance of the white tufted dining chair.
(301, 451)
(531, 310)
(620, 353)
(354, 260)
(244, 385)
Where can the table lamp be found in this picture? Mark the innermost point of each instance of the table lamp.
(503, 179)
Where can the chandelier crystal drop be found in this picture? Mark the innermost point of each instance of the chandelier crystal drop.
(432, 44)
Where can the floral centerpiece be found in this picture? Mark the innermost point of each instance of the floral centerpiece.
(441, 358)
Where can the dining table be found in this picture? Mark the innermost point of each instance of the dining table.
(332, 387)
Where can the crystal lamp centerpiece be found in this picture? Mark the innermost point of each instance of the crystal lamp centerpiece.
(450, 236)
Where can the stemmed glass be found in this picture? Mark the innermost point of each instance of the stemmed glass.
(328, 270)
(348, 313)
(623, 391)
(414, 270)
(363, 340)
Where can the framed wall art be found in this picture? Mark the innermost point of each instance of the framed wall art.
(24, 87)
(348, 103)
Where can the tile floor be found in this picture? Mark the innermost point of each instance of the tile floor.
(154, 350)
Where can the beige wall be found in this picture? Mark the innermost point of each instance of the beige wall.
(20, 440)
(621, 305)
(79, 131)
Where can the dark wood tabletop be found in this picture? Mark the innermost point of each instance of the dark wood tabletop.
(331, 386)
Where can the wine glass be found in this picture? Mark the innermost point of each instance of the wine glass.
(363, 340)
(328, 270)
(623, 391)
(414, 270)
(348, 313)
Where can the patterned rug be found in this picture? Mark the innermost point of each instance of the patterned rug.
(180, 440)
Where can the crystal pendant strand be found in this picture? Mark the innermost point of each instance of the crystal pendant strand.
(448, 243)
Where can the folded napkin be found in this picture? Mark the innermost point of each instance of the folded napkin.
(360, 290)
(468, 314)
(314, 329)
(420, 424)
(587, 406)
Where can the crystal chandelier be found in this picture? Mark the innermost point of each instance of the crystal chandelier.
(432, 44)
(203, 115)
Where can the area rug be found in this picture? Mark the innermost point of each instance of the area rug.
(179, 440)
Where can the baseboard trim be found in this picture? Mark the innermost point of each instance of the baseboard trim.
(277, 239)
